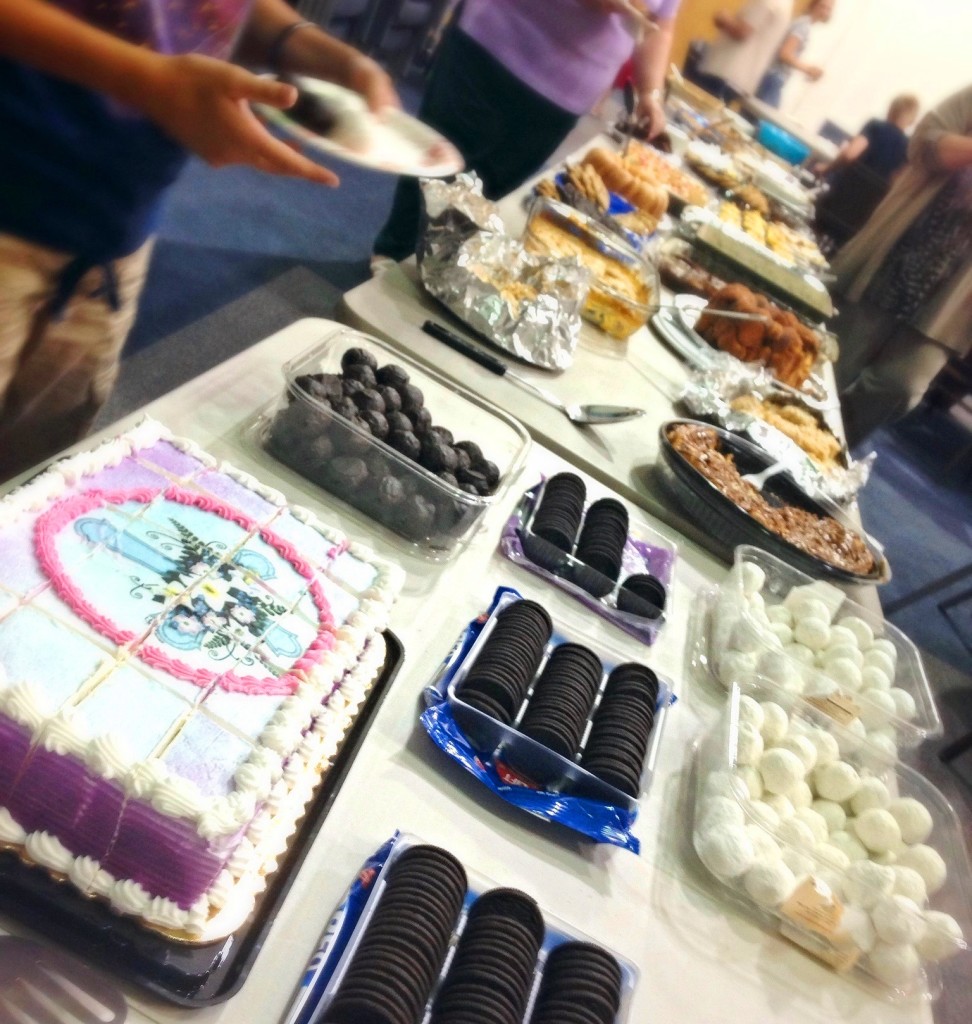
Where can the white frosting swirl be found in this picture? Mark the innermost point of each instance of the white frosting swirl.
(26, 705)
(64, 733)
(109, 756)
(90, 877)
(43, 848)
(10, 830)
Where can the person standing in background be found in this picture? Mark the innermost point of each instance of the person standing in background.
(101, 103)
(734, 64)
(881, 145)
(788, 59)
(906, 277)
(512, 77)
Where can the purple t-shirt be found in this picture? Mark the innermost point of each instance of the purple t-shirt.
(566, 50)
(167, 26)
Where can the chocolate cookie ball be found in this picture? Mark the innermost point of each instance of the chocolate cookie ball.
(362, 373)
(436, 456)
(462, 458)
(358, 357)
(412, 399)
(325, 387)
(407, 443)
(392, 375)
(390, 491)
(318, 449)
(353, 442)
(448, 478)
(474, 479)
(345, 407)
(421, 421)
(444, 434)
(473, 450)
(398, 422)
(350, 387)
(376, 423)
(491, 471)
(347, 473)
(417, 516)
(369, 400)
(469, 489)
(391, 397)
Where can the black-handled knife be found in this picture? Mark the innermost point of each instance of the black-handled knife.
(465, 348)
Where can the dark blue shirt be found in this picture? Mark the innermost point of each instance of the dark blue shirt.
(887, 147)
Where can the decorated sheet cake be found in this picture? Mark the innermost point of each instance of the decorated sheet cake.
(181, 654)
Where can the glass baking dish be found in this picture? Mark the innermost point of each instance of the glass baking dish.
(876, 885)
(432, 511)
(625, 288)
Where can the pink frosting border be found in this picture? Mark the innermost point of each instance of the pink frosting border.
(66, 510)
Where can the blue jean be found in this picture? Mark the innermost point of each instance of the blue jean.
(770, 89)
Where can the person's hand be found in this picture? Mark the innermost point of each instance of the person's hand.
(638, 8)
(651, 113)
(370, 79)
(814, 73)
(204, 104)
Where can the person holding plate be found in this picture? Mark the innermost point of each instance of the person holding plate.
(511, 79)
(101, 104)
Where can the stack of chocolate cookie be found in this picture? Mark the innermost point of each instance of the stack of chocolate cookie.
(601, 546)
(490, 977)
(562, 699)
(499, 679)
(581, 985)
(642, 594)
(556, 522)
(400, 955)
(618, 740)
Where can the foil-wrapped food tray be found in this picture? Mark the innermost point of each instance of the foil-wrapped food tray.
(525, 303)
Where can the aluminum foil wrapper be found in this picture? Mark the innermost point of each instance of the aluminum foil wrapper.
(524, 303)
(708, 394)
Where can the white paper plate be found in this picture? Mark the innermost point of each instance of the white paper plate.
(394, 142)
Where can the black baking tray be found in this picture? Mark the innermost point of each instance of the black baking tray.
(728, 522)
(179, 973)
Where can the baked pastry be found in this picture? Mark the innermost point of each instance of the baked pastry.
(798, 423)
(781, 342)
(649, 198)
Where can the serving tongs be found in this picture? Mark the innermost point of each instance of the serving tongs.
(43, 985)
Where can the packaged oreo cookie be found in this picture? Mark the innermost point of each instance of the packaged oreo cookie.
(619, 568)
(549, 719)
(439, 943)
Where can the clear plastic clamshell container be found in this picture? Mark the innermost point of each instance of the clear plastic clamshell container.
(432, 510)
(536, 763)
(625, 289)
(557, 932)
(646, 553)
(859, 861)
(808, 638)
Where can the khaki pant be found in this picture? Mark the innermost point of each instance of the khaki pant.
(884, 369)
(56, 373)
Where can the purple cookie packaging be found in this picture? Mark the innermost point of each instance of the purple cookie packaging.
(620, 570)
(437, 942)
(549, 719)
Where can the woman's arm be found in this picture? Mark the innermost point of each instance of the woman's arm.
(790, 55)
(200, 102)
(651, 59)
(943, 139)
(311, 51)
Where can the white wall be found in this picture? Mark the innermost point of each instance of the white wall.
(872, 50)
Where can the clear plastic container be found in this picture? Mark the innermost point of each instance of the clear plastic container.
(803, 868)
(437, 517)
(535, 762)
(625, 289)
(557, 933)
(738, 642)
(645, 552)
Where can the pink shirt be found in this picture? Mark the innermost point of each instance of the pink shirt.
(566, 50)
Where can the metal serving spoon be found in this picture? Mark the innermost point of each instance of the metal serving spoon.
(583, 414)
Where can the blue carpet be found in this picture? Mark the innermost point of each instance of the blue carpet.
(921, 510)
